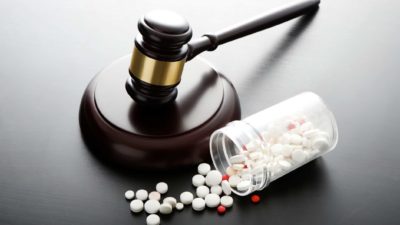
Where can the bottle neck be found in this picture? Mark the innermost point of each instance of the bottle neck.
(231, 141)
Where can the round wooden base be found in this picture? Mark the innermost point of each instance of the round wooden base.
(123, 132)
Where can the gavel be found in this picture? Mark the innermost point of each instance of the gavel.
(164, 45)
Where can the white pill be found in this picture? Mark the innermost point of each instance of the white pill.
(285, 138)
(214, 177)
(216, 189)
(237, 159)
(243, 185)
(198, 180)
(296, 139)
(212, 200)
(314, 152)
(165, 208)
(298, 155)
(198, 204)
(151, 206)
(227, 201)
(202, 191)
(203, 168)
(141, 194)
(285, 165)
(278, 158)
(136, 205)
(311, 133)
(129, 194)
(226, 187)
(306, 126)
(154, 195)
(186, 198)
(162, 187)
(171, 201)
(320, 143)
(179, 206)
(153, 219)
(230, 171)
(276, 149)
(306, 143)
(287, 150)
(255, 155)
(234, 180)
(252, 146)
(238, 166)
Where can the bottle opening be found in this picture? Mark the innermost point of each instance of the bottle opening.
(228, 146)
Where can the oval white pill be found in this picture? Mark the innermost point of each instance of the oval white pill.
(234, 180)
(151, 206)
(162, 187)
(202, 191)
(286, 138)
(198, 180)
(311, 133)
(255, 155)
(230, 171)
(179, 206)
(186, 198)
(298, 155)
(285, 165)
(165, 208)
(238, 166)
(129, 194)
(296, 139)
(198, 204)
(171, 201)
(141, 194)
(243, 185)
(320, 143)
(226, 187)
(212, 200)
(203, 168)
(216, 189)
(154, 195)
(276, 149)
(252, 146)
(306, 126)
(287, 150)
(227, 201)
(214, 177)
(237, 159)
(136, 205)
(153, 219)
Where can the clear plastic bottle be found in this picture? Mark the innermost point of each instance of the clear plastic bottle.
(271, 143)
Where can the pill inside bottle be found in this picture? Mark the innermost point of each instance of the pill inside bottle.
(265, 146)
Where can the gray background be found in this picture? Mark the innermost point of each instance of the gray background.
(348, 54)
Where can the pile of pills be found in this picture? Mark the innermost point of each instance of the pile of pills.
(212, 191)
(283, 148)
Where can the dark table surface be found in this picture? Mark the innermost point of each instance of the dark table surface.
(348, 53)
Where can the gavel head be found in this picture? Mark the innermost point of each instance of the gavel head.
(158, 57)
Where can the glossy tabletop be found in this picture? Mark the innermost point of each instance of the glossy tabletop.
(348, 53)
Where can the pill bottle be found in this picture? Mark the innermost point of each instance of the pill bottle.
(259, 149)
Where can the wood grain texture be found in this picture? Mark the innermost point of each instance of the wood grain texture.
(348, 53)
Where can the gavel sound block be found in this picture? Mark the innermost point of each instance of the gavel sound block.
(141, 111)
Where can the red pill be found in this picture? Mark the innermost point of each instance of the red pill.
(225, 177)
(221, 209)
(255, 199)
(291, 126)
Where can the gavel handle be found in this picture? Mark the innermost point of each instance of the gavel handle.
(210, 42)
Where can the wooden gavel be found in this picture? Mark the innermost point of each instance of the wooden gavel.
(163, 46)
